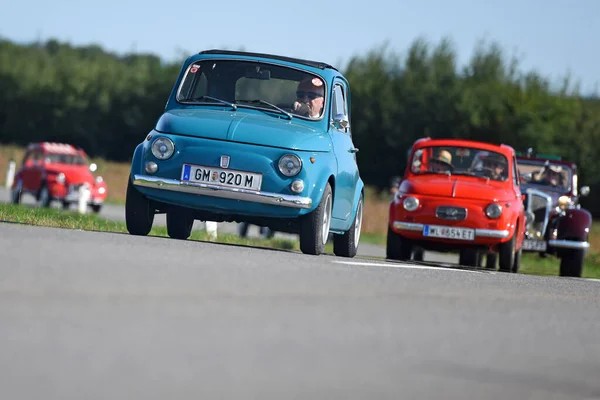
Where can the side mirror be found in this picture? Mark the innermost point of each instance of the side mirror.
(93, 167)
(526, 177)
(584, 191)
(340, 121)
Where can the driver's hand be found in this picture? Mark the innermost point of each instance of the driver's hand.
(301, 108)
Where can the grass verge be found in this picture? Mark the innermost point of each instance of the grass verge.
(72, 220)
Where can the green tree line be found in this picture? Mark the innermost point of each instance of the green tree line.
(106, 103)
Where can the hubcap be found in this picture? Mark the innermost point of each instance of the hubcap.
(326, 219)
(358, 222)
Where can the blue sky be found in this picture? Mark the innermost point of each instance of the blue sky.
(553, 37)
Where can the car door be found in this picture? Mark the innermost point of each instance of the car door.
(27, 171)
(345, 152)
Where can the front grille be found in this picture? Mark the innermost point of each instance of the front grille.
(451, 213)
(538, 205)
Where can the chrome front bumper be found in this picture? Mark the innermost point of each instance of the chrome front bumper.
(569, 244)
(203, 189)
(487, 233)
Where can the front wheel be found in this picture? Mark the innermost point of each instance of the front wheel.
(139, 215)
(571, 263)
(397, 247)
(346, 245)
(507, 254)
(314, 227)
(17, 192)
(179, 223)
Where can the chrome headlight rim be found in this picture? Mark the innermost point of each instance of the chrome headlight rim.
(61, 178)
(410, 203)
(493, 211)
(158, 152)
(281, 165)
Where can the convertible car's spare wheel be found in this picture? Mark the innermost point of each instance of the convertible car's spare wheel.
(44, 196)
(571, 263)
(346, 245)
(179, 223)
(139, 215)
(491, 260)
(507, 254)
(397, 247)
(17, 192)
(314, 227)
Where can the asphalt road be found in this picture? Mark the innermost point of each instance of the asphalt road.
(91, 315)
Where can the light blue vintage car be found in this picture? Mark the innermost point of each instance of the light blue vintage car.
(252, 137)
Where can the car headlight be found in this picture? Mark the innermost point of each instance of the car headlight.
(493, 210)
(60, 178)
(564, 202)
(290, 165)
(163, 148)
(410, 203)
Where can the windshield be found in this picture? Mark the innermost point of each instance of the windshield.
(460, 161)
(551, 175)
(254, 84)
(70, 159)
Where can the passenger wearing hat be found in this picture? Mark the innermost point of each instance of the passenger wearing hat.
(309, 98)
(441, 163)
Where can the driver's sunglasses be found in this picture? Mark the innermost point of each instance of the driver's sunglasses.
(311, 95)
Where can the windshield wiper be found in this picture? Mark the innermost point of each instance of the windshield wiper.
(259, 101)
(200, 98)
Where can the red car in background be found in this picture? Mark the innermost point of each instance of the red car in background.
(459, 196)
(57, 171)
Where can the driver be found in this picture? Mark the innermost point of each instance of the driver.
(309, 98)
(552, 175)
(495, 166)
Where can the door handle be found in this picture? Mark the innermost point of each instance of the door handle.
(353, 150)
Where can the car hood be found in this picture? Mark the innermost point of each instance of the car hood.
(73, 174)
(243, 127)
(457, 187)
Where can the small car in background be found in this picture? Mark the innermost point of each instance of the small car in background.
(556, 223)
(56, 172)
(256, 138)
(459, 196)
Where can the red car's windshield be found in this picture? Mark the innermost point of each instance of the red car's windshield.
(461, 161)
(65, 159)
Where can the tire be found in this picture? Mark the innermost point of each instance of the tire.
(17, 192)
(418, 254)
(397, 247)
(491, 261)
(44, 196)
(96, 208)
(139, 215)
(179, 223)
(571, 263)
(507, 254)
(346, 245)
(66, 205)
(517, 263)
(314, 227)
(469, 258)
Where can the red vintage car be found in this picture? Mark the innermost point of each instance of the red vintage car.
(57, 171)
(459, 196)
(556, 223)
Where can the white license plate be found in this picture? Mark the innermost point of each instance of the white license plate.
(534, 245)
(448, 232)
(221, 177)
